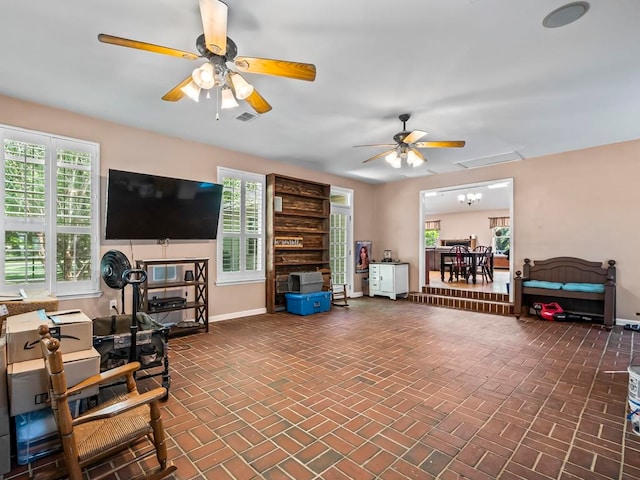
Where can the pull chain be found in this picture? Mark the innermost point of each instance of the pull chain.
(217, 106)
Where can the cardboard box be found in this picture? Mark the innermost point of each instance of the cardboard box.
(28, 384)
(5, 454)
(74, 330)
(308, 303)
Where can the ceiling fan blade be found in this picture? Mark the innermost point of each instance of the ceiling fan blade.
(377, 145)
(418, 154)
(279, 68)
(443, 144)
(414, 136)
(214, 24)
(257, 102)
(125, 42)
(379, 155)
(176, 93)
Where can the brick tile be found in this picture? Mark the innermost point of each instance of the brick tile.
(310, 452)
(435, 463)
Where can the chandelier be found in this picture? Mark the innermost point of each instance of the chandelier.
(212, 74)
(469, 198)
(410, 155)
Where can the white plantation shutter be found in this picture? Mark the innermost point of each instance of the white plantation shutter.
(50, 213)
(240, 246)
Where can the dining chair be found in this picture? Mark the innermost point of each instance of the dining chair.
(458, 263)
(483, 262)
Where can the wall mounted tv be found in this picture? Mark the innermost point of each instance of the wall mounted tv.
(149, 207)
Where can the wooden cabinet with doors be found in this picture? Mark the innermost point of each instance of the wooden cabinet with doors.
(389, 279)
(298, 213)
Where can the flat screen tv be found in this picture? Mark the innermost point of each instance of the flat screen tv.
(149, 207)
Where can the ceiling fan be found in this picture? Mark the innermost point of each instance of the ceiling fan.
(406, 146)
(218, 50)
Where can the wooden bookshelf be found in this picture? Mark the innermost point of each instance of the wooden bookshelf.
(296, 209)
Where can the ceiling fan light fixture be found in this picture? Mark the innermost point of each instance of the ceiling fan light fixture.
(192, 90)
(228, 100)
(394, 160)
(242, 88)
(204, 76)
(413, 159)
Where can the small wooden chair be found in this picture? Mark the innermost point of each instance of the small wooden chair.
(339, 294)
(108, 428)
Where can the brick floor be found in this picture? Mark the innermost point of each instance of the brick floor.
(390, 390)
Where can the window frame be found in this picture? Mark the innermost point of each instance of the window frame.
(48, 225)
(242, 276)
(344, 208)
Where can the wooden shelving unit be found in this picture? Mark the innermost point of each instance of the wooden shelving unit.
(297, 232)
(199, 287)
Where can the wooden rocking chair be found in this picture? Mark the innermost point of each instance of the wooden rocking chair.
(108, 428)
(339, 292)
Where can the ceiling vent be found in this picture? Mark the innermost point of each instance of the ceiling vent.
(418, 173)
(491, 160)
(246, 117)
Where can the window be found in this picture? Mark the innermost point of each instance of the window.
(501, 229)
(340, 235)
(240, 245)
(50, 213)
(501, 239)
(431, 233)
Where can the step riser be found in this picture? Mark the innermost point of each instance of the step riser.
(473, 305)
(466, 294)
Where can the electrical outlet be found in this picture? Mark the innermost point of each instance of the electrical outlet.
(113, 304)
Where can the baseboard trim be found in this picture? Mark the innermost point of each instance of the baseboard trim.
(234, 315)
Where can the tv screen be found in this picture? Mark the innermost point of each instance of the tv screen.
(150, 207)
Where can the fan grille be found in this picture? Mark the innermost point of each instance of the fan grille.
(113, 264)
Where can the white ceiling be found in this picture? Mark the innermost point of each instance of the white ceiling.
(496, 195)
(484, 71)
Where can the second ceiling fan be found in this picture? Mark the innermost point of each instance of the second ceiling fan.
(218, 50)
(407, 144)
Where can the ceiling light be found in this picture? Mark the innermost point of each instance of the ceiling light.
(241, 86)
(191, 90)
(565, 15)
(470, 198)
(228, 100)
(414, 159)
(204, 76)
(394, 160)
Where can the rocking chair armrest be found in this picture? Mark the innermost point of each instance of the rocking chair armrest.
(104, 377)
(114, 409)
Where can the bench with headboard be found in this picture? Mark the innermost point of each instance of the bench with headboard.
(578, 285)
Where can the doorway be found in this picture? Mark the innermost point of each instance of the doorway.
(476, 214)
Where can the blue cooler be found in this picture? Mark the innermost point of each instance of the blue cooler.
(308, 303)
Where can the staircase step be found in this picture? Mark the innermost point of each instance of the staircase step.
(461, 302)
(467, 294)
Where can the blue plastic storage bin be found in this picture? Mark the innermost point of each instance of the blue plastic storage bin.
(308, 303)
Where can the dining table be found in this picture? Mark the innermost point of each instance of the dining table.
(473, 256)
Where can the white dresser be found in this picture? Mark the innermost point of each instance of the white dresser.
(389, 279)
